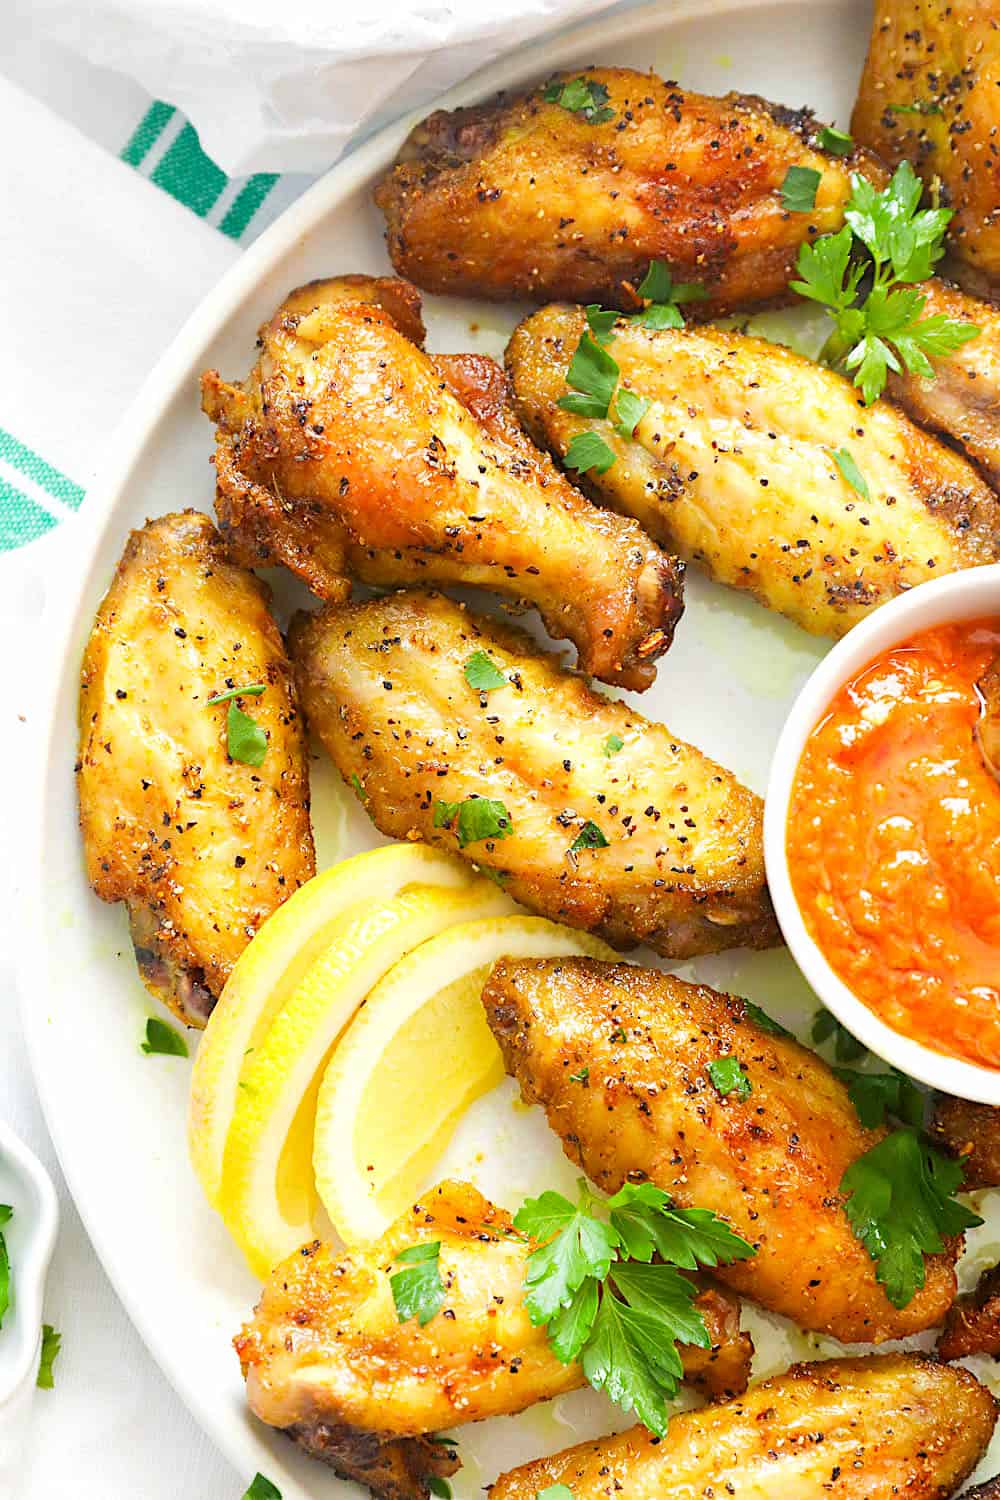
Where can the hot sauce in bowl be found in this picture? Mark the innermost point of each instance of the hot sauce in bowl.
(893, 841)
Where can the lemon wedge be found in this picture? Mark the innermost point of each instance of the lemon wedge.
(267, 1195)
(272, 966)
(411, 1062)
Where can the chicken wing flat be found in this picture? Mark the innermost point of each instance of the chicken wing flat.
(588, 813)
(733, 465)
(973, 1323)
(201, 847)
(929, 94)
(770, 1163)
(846, 1429)
(348, 450)
(972, 1132)
(327, 1359)
(529, 197)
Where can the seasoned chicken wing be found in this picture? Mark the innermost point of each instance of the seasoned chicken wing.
(327, 1359)
(972, 1132)
(527, 197)
(201, 847)
(588, 813)
(847, 1429)
(735, 466)
(348, 450)
(770, 1163)
(930, 93)
(973, 1323)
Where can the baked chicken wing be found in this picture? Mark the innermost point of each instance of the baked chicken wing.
(200, 846)
(586, 811)
(734, 465)
(770, 1162)
(529, 197)
(930, 93)
(327, 1359)
(348, 450)
(973, 1323)
(846, 1429)
(972, 1132)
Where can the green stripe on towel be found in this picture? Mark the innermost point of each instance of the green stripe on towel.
(39, 471)
(188, 175)
(21, 520)
(147, 132)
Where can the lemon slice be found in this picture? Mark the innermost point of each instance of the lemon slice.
(267, 1195)
(411, 1062)
(273, 964)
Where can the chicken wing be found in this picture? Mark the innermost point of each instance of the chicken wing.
(973, 1323)
(846, 1429)
(972, 1132)
(200, 846)
(349, 450)
(327, 1359)
(529, 197)
(587, 812)
(735, 465)
(770, 1163)
(929, 94)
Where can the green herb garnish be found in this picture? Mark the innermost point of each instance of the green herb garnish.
(163, 1039)
(253, 691)
(593, 374)
(613, 744)
(665, 297)
(476, 818)
(245, 740)
(836, 142)
(583, 1076)
(358, 786)
(798, 191)
(438, 1486)
(846, 1048)
(589, 837)
(629, 411)
(601, 322)
(593, 1283)
(586, 451)
(51, 1344)
(555, 1492)
(482, 673)
(261, 1489)
(765, 1022)
(729, 1077)
(6, 1214)
(878, 1095)
(582, 96)
(418, 1290)
(844, 460)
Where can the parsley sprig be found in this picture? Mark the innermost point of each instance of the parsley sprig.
(866, 276)
(594, 1284)
(581, 96)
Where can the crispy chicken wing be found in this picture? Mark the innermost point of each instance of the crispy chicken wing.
(327, 1359)
(522, 197)
(973, 1323)
(770, 1163)
(733, 465)
(200, 847)
(971, 1131)
(606, 821)
(846, 1429)
(929, 93)
(349, 450)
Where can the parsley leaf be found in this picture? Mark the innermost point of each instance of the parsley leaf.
(846, 1048)
(482, 672)
(593, 374)
(664, 297)
(555, 1492)
(629, 411)
(589, 837)
(261, 1489)
(253, 691)
(850, 471)
(163, 1039)
(765, 1022)
(588, 450)
(601, 322)
(798, 191)
(418, 1290)
(475, 819)
(245, 740)
(659, 315)
(837, 142)
(729, 1077)
(438, 1486)
(613, 744)
(51, 1343)
(582, 96)
(876, 1095)
(604, 1300)
(6, 1214)
(583, 1076)
(900, 1206)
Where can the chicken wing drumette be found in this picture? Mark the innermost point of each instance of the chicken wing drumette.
(200, 846)
(527, 197)
(587, 812)
(349, 451)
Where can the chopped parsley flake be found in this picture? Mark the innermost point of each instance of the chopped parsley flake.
(51, 1344)
(588, 450)
(476, 818)
(613, 744)
(729, 1077)
(482, 673)
(836, 142)
(589, 837)
(798, 191)
(582, 96)
(163, 1039)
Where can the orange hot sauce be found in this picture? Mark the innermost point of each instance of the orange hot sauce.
(894, 842)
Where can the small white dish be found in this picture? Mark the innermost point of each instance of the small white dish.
(961, 596)
(30, 1236)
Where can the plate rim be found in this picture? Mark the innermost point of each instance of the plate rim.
(242, 1446)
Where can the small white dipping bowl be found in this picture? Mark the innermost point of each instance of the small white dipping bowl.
(960, 596)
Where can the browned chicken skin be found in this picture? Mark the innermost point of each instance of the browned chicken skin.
(384, 687)
(521, 197)
(973, 1323)
(929, 94)
(972, 1132)
(848, 1429)
(327, 1359)
(349, 451)
(770, 1164)
(200, 847)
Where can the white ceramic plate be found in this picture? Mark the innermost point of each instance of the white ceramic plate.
(117, 1116)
